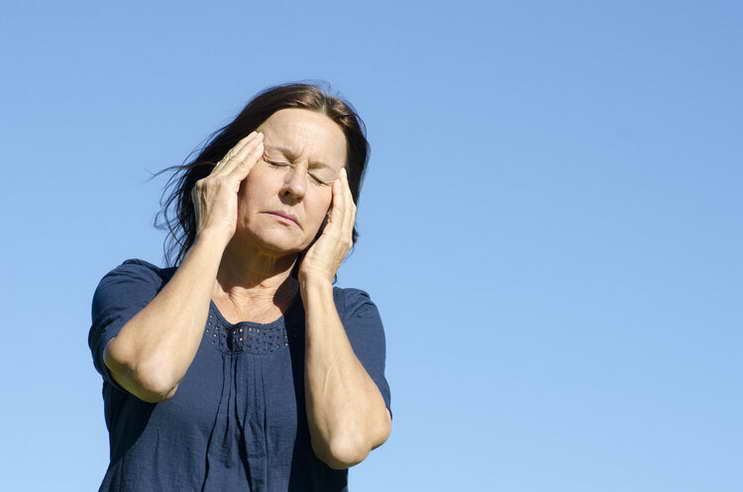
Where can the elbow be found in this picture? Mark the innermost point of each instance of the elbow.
(341, 456)
(385, 431)
(145, 381)
(345, 453)
(151, 388)
(155, 397)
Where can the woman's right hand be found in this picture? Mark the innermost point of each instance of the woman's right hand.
(215, 196)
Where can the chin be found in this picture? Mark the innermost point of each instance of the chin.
(282, 242)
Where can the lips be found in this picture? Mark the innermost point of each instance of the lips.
(285, 215)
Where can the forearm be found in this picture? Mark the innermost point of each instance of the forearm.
(346, 412)
(153, 351)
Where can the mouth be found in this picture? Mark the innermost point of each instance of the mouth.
(287, 217)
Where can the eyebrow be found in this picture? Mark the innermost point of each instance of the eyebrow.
(292, 155)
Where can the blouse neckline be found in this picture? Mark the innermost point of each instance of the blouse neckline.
(213, 309)
(250, 336)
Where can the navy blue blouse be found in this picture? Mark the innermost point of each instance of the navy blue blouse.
(238, 420)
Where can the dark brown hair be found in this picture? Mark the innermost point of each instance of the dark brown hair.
(182, 228)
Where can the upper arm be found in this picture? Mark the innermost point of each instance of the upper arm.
(119, 296)
(365, 331)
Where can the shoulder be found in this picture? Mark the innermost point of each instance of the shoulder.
(133, 274)
(364, 327)
(353, 301)
(139, 268)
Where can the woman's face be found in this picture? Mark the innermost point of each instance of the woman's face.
(304, 152)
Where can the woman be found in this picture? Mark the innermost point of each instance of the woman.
(243, 367)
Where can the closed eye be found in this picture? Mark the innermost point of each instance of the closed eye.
(281, 164)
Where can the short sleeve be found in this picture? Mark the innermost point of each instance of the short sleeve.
(365, 331)
(120, 294)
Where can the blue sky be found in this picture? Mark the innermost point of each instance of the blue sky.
(550, 225)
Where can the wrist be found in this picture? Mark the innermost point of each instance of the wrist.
(308, 280)
(216, 238)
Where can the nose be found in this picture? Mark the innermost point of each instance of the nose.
(295, 184)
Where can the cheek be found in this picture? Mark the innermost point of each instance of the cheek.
(256, 185)
(249, 198)
(319, 211)
(326, 204)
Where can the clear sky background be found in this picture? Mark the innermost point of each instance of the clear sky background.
(550, 225)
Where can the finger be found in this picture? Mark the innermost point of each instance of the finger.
(229, 159)
(336, 209)
(350, 209)
(341, 200)
(244, 153)
(229, 156)
(245, 160)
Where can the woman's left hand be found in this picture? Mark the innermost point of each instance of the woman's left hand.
(325, 256)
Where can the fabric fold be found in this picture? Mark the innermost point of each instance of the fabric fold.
(241, 406)
(255, 432)
(212, 450)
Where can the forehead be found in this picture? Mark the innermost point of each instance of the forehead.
(301, 132)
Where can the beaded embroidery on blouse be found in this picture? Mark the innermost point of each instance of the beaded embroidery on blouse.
(245, 336)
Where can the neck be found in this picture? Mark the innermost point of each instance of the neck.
(248, 276)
